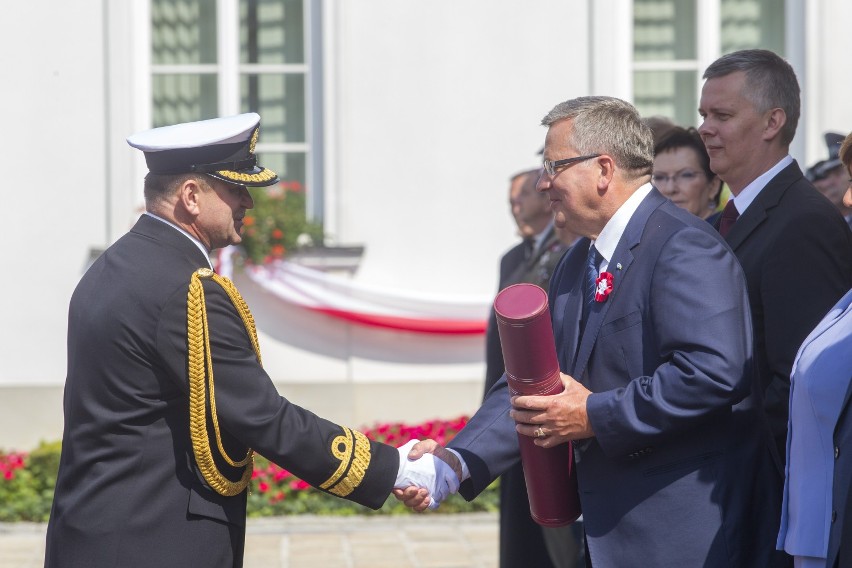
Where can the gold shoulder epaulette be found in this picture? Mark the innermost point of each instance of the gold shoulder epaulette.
(200, 365)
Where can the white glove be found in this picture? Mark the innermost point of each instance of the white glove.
(428, 472)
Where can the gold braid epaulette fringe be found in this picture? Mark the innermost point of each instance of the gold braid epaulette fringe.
(200, 364)
(352, 448)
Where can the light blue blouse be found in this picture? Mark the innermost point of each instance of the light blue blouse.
(818, 384)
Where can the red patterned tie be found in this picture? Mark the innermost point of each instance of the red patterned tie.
(729, 217)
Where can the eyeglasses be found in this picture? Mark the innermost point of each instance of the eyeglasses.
(685, 176)
(550, 167)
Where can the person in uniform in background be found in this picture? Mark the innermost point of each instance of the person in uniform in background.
(532, 260)
(829, 176)
(156, 461)
(523, 542)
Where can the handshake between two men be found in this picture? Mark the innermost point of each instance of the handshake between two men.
(437, 472)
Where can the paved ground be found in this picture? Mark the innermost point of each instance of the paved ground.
(410, 541)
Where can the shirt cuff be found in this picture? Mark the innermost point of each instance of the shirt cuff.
(465, 471)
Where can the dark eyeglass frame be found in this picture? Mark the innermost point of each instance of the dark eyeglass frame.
(551, 166)
(683, 176)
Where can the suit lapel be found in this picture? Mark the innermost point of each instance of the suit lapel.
(623, 257)
(766, 200)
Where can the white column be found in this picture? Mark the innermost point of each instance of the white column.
(798, 21)
(228, 55)
(332, 54)
(709, 15)
(611, 48)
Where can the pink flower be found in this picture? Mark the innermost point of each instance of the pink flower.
(263, 487)
(281, 475)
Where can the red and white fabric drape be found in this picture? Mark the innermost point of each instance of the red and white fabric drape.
(361, 304)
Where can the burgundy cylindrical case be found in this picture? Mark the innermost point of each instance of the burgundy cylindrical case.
(529, 352)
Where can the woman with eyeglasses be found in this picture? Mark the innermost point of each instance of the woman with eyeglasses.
(682, 173)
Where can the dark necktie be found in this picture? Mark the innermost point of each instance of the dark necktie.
(529, 246)
(729, 217)
(590, 283)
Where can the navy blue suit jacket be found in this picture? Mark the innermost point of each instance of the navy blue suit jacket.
(679, 472)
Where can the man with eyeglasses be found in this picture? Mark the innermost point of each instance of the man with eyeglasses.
(666, 423)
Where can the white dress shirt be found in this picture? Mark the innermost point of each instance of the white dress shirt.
(752, 190)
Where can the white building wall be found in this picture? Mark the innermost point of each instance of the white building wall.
(827, 84)
(436, 105)
(429, 108)
(53, 157)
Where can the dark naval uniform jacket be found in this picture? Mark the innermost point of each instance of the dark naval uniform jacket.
(520, 264)
(521, 539)
(129, 491)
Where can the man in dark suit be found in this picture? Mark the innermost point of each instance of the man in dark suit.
(155, 462)
(794, 246)
(522, 541)
(672, 452)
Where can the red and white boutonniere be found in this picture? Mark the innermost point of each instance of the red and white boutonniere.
(603, 286)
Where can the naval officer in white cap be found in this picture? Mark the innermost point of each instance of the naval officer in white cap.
(155, 461)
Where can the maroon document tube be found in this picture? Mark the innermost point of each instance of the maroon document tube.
(529, 351)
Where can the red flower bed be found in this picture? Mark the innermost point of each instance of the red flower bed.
(27, 480)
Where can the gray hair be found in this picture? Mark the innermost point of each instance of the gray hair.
(770, 83)
(607, 125)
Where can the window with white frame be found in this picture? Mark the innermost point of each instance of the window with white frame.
(675, 40)
(217, 57)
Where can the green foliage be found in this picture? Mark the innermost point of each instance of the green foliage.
(27, 481)
(26, 486)
(277, 222)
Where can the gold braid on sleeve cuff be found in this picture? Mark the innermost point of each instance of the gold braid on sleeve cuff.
(352, 448)
(200, 365)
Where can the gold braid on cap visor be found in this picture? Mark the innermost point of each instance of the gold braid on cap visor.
(200, 364)
(260, 177)
(239, 177)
